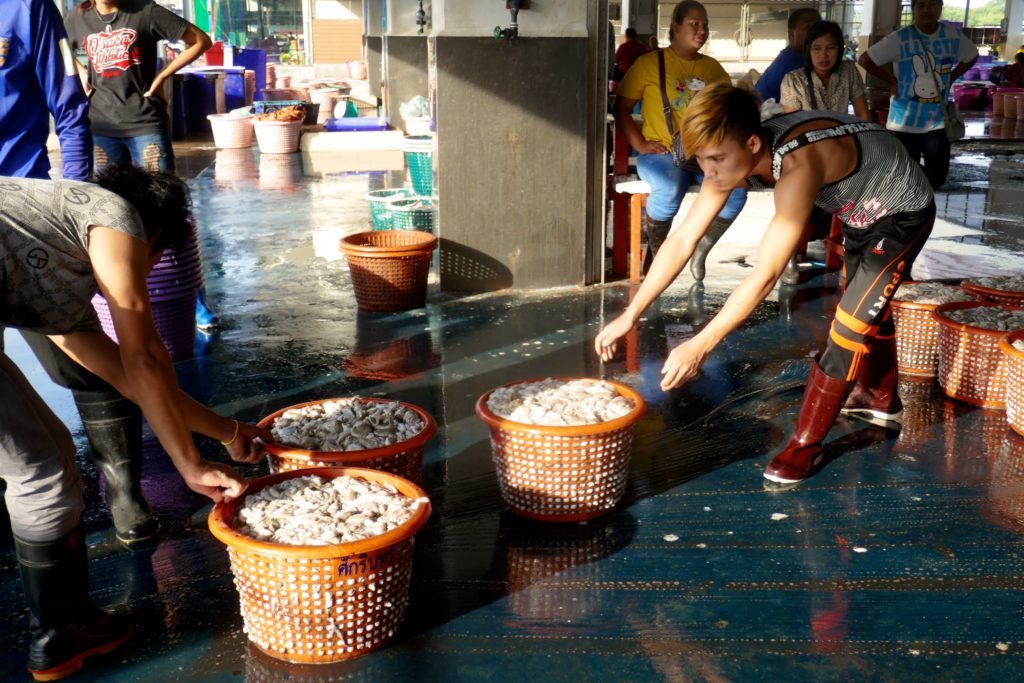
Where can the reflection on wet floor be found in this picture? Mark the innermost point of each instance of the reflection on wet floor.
(900, 556)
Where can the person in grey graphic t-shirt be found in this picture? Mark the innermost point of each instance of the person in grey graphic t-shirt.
(60, 243)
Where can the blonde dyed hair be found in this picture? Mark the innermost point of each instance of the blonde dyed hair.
(719, 111)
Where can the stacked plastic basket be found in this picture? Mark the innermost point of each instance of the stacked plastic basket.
(380, 210)
(173, 285)
(419, 157)
(409, 208)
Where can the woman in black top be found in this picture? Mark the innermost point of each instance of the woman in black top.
(127, 111)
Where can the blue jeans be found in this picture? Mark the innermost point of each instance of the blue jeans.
(669, 184)
(152, 151)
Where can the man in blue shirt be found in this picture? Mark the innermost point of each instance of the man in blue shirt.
(39, 76)
(769, 85)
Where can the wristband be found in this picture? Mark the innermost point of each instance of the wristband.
(233, 436)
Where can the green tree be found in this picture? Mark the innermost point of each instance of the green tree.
(989, 14)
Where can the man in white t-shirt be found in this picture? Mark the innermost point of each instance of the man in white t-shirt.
(927, 57)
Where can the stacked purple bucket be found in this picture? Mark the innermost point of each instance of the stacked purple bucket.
(173, 285)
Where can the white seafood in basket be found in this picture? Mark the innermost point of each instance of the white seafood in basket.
(559, 403)
(316, 511)
(346, 425)
(989, 318)
(931, 293)
(1005, 283)
(1019, 345)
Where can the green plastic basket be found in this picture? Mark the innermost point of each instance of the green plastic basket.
(414, 213)
(421, 171)
(380, 214)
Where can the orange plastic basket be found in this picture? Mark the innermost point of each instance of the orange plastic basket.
(998, 295)
(971, 366)
(404, 458)
(389, 268)
(917, 338)
(562, 474)
(1014, 380)
(397, 359)
(1006, 491)
(321, 604)
(921, 412)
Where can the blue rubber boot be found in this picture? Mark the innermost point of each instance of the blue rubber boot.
(205, 318)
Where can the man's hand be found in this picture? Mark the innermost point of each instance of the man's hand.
(608, 338)
(683, 363)
(247, 446)
(214, 480)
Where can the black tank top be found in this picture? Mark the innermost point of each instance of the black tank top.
(885, 180)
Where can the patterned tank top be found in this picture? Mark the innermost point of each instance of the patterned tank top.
(885, 180)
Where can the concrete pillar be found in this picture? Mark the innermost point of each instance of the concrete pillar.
(641, 15)
(405, 57)
(520, 126)
(880, 18)
(373, 44)
(1014, 19)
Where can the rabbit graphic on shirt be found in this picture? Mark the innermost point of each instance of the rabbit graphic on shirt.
(926, 79)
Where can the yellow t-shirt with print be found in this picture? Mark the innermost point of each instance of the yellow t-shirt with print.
(683, 80)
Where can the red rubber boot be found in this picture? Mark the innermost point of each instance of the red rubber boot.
(823, 398)
(876, 397)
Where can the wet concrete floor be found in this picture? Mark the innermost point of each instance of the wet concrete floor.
(900, 560)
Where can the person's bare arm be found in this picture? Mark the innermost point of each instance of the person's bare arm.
(794, 199)
(622, 110)
(869, 65)
(101, 356)
(670, 260)
(961, 69)
(198, 43)
(120, 264)
(860, 107)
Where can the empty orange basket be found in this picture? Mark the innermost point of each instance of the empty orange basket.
(389, 268)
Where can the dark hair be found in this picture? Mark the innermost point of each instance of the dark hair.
(1019, 58)
(800, 15)
(823, 28)
(631, 32)
(680, 11)
(162, 200)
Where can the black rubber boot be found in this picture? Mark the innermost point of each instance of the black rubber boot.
(657, 232)
(65, 627)
(114, 427)
(709, 240)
